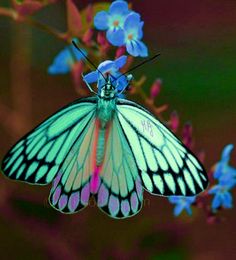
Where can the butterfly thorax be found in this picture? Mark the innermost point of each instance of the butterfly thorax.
(106, 104)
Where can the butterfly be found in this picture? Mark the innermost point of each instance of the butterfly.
(107, 147)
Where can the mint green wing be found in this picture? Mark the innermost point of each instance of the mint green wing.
(165, 165)
(37, 157)
(71, 188)
(120, 192)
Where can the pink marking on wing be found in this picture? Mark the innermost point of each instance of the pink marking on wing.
(95, 180)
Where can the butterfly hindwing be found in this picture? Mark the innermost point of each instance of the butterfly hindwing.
(37, 157)
(165, 165)
(71, 189)
(120, 193)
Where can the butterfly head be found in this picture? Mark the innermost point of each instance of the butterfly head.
(108, 90)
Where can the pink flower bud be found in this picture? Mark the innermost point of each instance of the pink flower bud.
(174, 121)
(120, 51)
(187, 135)
(88, 36)
(103, 43)
(155, 88)
(89, 13)
(101, 38)
(201, 156)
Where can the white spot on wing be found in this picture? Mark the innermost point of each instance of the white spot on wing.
(195, 173)
(170, 159)
(147, 181)
(159, 183)
(170, 182)
(189, 181)
(181, 185)
(161, 160)
(148, 153)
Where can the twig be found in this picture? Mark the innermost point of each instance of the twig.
(9, 12)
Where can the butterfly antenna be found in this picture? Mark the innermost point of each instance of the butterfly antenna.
(88, 60)
(140, 64)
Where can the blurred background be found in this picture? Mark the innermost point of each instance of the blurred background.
(197, 41)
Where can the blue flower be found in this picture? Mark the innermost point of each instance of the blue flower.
(113, 22)
(222, 196)
(182, 203)
(133, 35)
(110, 68)
(225, 174)
(123, 28)
(65, 60)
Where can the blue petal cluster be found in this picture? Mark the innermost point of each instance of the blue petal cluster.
(123, 27)
(64, 60)
(182, 203)
(110, 68)
(226, 177)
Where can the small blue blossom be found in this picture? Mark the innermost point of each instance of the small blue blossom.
(182, 203)
(224, 173)
(222, 196)
(113, 22)
(133, 35)
(64, 60)
(226, 176)
(110, 68)
(124, 28)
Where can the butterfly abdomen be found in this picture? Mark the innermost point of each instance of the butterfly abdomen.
(100, 146)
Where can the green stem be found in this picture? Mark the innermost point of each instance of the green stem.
(43, 27)
(9, 12)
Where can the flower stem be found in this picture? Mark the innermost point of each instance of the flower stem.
(9, 12)
(43, 27)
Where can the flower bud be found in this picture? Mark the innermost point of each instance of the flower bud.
(88, 36)
(187, 134)
(174, 121)
(120, 51)
(155, 88)
(89, 13)
(101, 38)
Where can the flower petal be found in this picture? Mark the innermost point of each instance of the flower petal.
(226, 153)
(218, 170)
(62, 63)
(216, 201)
(119, 7)
(190, 200)
(188, 209)
(120, 62)
(137, 48)
(116, 37)
(214, 189)
(174, 199)
(101, 20)
(91, 77)
(178, 209)
(132, 22)
(121, 82)
(105, 66)
(140, 30)
(227, 200)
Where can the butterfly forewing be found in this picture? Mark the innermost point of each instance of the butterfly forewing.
(37, 157)
(165, 165)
